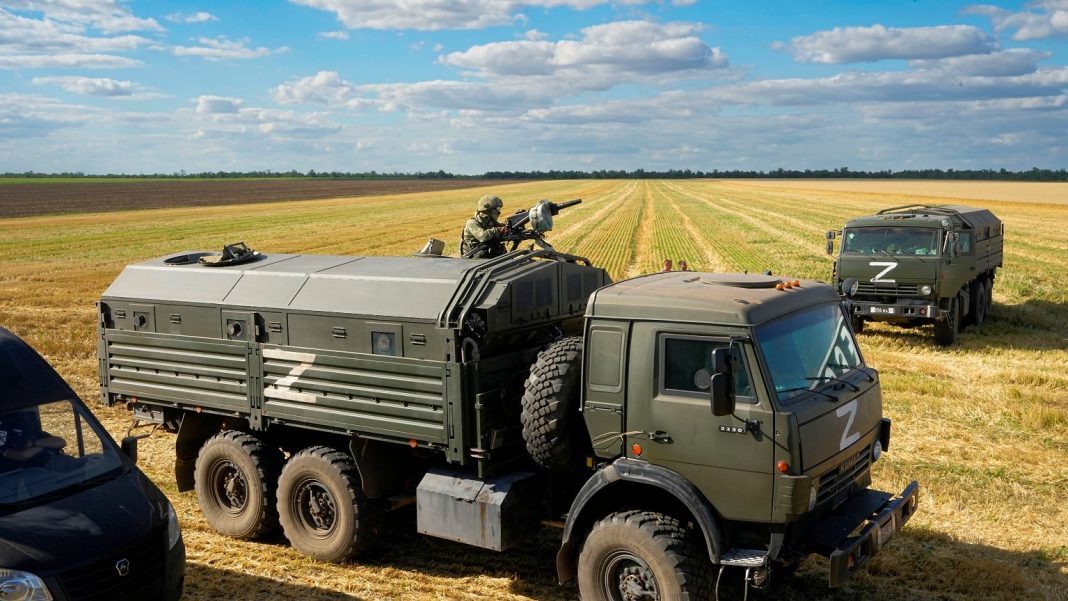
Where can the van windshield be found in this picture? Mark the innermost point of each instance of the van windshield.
(50, 447)
(916, 241)
(806, 350)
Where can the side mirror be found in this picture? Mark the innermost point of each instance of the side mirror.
(830, 234)
(129, 447)
(722, 385)
(830, 246)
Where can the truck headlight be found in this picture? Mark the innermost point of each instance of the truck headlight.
(926, 290)
(22, 586)
(174, 531)
(876, 451)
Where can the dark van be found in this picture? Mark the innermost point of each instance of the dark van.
(78, 520)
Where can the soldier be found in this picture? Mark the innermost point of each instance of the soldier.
(484, 229)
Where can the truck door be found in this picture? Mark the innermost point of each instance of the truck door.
(729, 458)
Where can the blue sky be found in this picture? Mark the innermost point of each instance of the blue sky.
(474, 85)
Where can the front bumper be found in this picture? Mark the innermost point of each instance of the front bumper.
(897, 311)
(859, 529)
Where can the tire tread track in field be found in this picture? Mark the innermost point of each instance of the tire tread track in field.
(712, 261)
(642, 242)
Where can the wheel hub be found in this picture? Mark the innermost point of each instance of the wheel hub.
(232, 490)
(637, 584)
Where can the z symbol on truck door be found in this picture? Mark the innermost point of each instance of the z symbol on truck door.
(879, 279)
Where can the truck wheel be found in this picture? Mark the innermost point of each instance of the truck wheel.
(322, 508)
(989, 297)
(552, 425)
(979, 303)
(858, 324)
(946, 330)
(643, 555)
(235, 478)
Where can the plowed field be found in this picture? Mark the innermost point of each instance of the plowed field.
(26, 199)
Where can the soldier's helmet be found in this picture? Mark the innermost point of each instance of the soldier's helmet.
(490, 204)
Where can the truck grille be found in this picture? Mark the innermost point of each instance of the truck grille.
(835, 484)
(870, 289)
(100, 581)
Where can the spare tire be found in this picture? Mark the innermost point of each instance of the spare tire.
(552, 425)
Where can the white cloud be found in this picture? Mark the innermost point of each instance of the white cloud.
(443, 14)
(30, 43)
(34, 116)
(325, 87)
(875, 43)
(222, 48)
(604, 56)
(213, 105)
(95, 86)
(1015, 61)
(893, 87)
(333, 35)
(188, 18)
(1048, 19)
(108, 16)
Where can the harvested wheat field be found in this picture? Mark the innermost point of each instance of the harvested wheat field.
(983, 425)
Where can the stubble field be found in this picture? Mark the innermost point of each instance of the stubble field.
(983, 426)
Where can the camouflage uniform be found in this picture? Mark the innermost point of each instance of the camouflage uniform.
(483, 228)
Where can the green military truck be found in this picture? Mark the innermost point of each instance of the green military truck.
(672, 425)
(919, 264)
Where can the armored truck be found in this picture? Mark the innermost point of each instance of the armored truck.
(920, 264)
(672, 425)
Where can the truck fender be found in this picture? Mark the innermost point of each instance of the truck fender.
(622, 471)
(195, 428)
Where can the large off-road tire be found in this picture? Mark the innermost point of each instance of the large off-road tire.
(322, 508)
(946, 330)
(979, 306)
(552, 425)
(989, 296)
(235, 478)
(643, 555)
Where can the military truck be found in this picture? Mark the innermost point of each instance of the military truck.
(920, 264)
(672, 425)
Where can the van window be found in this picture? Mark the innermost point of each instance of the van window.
(49, 447)
(686, 367)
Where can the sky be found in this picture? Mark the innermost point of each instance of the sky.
(469, 86)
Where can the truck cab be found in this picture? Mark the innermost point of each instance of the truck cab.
(794, 430)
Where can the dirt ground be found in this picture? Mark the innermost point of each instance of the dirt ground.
(26, 200)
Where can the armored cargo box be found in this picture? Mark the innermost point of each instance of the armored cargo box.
(422, 351)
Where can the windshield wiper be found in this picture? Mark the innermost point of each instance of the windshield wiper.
(859, 367)
(833, 379)
(807, 389)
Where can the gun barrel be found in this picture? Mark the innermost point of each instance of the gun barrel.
(559, 206)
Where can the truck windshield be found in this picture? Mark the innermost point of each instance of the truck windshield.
(917, 241)
(51, 447)
(807, 350)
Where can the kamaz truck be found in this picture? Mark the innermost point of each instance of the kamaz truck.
(920, 264)
(672, 425)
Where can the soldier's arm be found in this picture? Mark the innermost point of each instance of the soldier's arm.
(482, 234)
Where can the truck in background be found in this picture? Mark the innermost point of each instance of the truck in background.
(673, 425)
(920, 264)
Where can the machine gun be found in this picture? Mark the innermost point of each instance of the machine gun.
(540, 219)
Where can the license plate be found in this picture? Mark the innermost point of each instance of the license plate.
(886, 532)
(887, 310)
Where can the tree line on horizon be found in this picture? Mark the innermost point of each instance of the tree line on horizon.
(1034, 174)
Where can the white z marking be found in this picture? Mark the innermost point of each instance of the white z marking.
(851, 409)
(889, 265)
